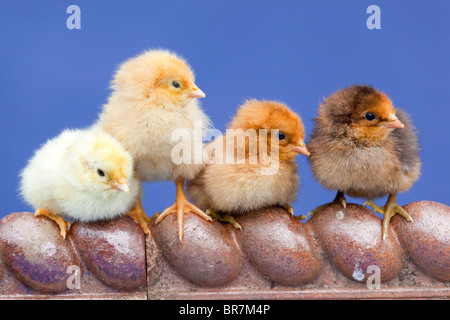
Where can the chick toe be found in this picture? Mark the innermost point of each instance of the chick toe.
(165, 213)
(289, 208)
(390, 209)
(374, 206)
(62, 224)
(181, 207)
(339, 199)
(403, 213)
(224, 218)
(138, 215)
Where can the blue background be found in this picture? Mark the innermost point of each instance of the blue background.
(297, 52)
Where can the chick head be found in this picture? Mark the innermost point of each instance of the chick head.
(273, 115)
(158, 77)
(102, 164)
(364, 109)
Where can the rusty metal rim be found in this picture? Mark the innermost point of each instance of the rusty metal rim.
(87, 296)
(308, 294)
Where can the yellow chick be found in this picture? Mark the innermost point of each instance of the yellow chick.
(260, 176)
(153, 96)
(81, 175)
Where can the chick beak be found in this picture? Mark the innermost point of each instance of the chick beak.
(196, 93)
(121, 185)
(393, 122)
(301, 148)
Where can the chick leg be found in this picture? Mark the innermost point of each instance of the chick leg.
(390, 209)
(62, 224)
(224, 218)
(181, 207)
(138, 214)
(339, 199)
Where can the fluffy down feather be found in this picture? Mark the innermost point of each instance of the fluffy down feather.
(363, 147)
(153, 100)
(357, 157)
(63, 176)
(235, 188)
(145, 109)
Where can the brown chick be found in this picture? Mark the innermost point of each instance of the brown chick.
(361, 146)
(237, 182)
(154, 95)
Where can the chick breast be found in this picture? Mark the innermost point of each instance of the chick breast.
(238, 188)
(60, 177)
(371, 172)
(241, 188)
(148, 136)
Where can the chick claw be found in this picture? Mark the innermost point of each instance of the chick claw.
(138, 215)
(339, 199)
(290, 209)
(224, 218)
(64, 226)
(181, 207)
(390, 209)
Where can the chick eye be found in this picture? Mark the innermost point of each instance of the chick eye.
(370, 116)
(281, 136)
(176, 84)
(100, 173)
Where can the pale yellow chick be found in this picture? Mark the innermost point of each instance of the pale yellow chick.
(80, 175)
(154, 95)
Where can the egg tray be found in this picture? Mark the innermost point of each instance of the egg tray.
(337, 254)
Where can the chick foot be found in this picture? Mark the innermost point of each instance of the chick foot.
(339, 199)
(224, 218)
(138, 215)
(390, 209)
(64, 226)
(181, 207)
(290, 209)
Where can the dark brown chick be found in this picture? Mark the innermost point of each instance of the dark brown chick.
(361, 146)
